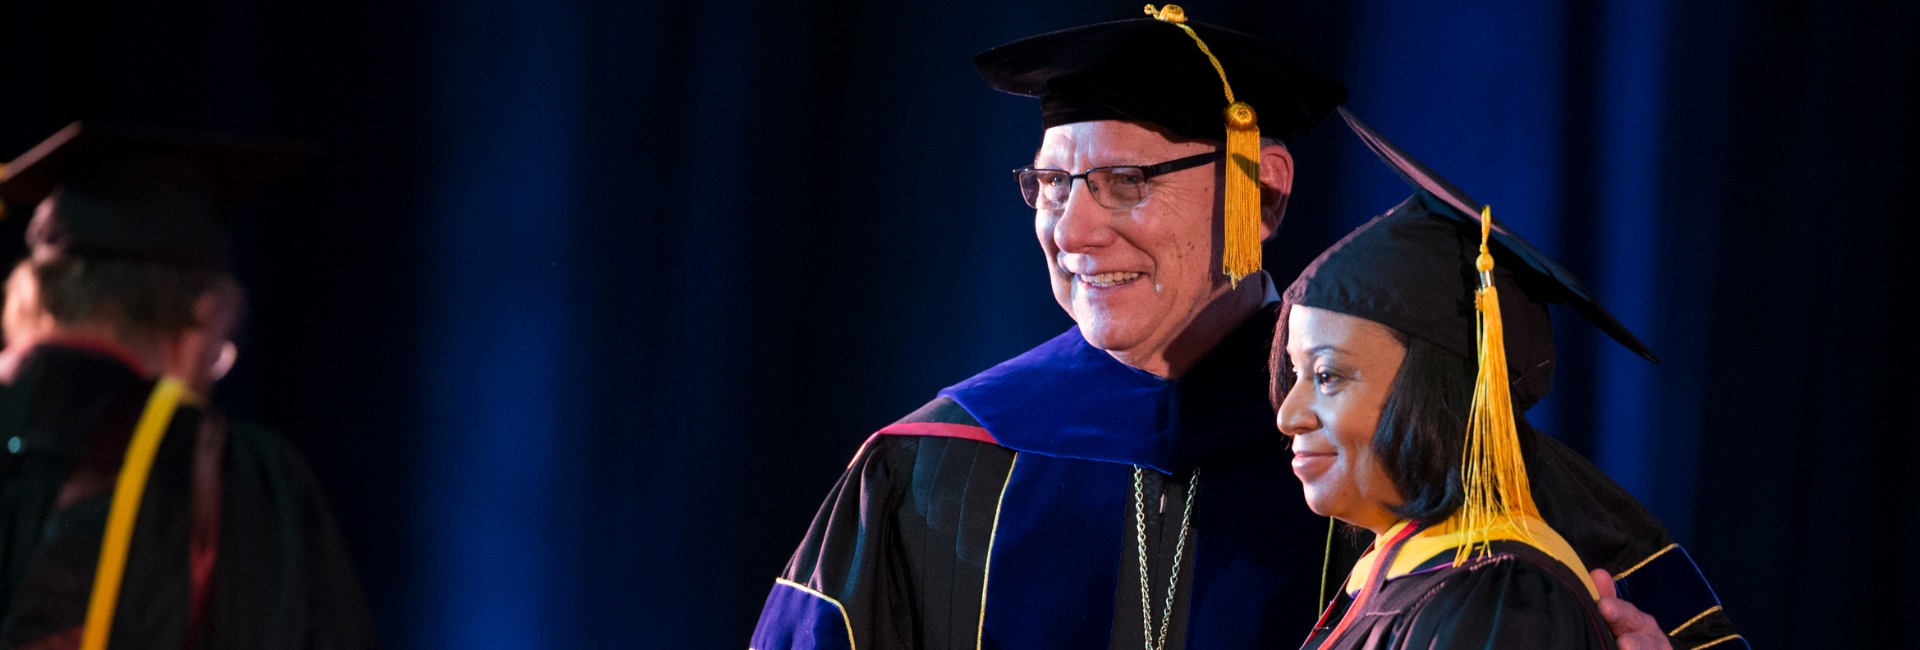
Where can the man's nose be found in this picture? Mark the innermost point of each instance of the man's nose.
(1084, 224)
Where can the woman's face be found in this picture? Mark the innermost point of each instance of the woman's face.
(1343, 368)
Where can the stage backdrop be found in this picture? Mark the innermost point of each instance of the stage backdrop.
(584, 305)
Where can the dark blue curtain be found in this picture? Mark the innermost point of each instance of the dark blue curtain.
(583, 305)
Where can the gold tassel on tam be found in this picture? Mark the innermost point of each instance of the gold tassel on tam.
(1241, 255)
(1493, 471)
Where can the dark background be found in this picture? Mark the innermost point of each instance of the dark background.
(584, 305)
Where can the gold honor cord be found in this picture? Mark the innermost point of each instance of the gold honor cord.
(1326, 561)
(1494, 474)
(127, 491)
(1241, 256)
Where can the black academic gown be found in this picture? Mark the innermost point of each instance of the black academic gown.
(1003, 513)
(279, 578)
(1506, 594)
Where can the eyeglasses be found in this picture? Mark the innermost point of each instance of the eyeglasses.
(1115, 188)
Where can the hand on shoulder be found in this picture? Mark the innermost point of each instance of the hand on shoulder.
(1632, 629)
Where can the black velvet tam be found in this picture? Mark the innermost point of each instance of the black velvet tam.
(137, 194)
(1412, 269)
(1152, 71)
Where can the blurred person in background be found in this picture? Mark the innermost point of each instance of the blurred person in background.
(132, 512)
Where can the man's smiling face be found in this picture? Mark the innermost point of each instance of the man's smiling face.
(1134, 279)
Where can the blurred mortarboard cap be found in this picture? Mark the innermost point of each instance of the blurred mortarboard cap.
(1195, 80)
(1147, 70)
(140, 194)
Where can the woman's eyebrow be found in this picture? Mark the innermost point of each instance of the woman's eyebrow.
(1324, 348)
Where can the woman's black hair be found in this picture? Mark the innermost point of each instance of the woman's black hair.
(1423, 426)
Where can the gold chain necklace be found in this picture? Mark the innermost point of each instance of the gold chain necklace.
(1173, 576)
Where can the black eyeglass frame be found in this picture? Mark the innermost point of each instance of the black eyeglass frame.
(1146, 172)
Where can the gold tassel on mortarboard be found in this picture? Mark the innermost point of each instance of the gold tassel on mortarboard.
(1242, 229)
(1492, 469)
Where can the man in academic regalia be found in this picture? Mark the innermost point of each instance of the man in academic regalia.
(132, 513)
(1123, 484)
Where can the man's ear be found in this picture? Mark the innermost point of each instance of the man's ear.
(201, 354)
(1276, 184)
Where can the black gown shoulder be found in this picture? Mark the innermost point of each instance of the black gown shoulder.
(1515, 596)
(901, 541)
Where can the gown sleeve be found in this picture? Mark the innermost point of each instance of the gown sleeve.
(1612, 530)
(285, 577)
(896, 555)
(838, 571)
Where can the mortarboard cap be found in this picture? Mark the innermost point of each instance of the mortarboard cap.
(1412, 269)
(1147, 70)
(1545, 280)
(126, 193)
(1195, 80)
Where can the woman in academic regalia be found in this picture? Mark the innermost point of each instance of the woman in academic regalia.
(1403, 421)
